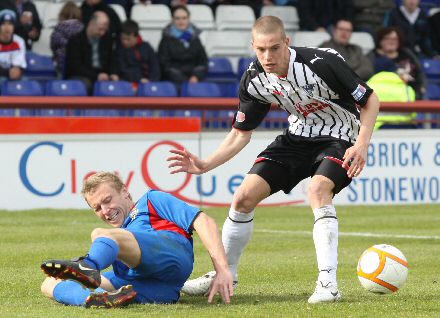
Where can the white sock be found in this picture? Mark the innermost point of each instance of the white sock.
(325, 237)
(236, 233)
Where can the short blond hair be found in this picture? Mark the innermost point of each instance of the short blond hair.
(92, 182)
(268, 24)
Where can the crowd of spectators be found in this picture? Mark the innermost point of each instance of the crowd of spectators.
(91, 43)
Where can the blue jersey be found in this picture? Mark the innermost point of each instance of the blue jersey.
(160, 211)
(161, 224)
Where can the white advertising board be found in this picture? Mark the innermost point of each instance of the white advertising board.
(46, 171)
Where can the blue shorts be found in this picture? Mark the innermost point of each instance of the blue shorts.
(167, 260)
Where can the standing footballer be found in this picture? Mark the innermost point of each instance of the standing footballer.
(332, 115)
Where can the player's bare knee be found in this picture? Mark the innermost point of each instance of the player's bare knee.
(243, 201)
(320, 187)
(100, 232)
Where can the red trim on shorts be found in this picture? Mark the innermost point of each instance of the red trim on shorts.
(260, 159)
(338, 161)
(160, 224)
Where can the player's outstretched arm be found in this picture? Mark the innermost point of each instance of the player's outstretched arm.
(210, 236)
(185, 161)
(357, 154)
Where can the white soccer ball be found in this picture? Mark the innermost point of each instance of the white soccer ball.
(382, 269)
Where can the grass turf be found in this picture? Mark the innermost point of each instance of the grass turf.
(277, 271)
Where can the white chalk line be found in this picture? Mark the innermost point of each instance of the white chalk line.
(355, 234)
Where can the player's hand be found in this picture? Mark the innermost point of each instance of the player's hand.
(222, 284)
(185, 161)
(354, 159)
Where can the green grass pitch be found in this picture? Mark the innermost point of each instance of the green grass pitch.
(277, 270)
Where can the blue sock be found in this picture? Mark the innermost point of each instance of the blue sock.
(103, 253)
(69, 292)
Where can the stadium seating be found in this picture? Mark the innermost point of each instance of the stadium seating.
(364, 40)
(39, 67)
(243, 64)
(202, 16)
(119, 11)
(157, 89)
(50, 16)
(220, 70)
(22, 88)
(42, 46)
(309, 38)
(433, 91)
(287, 14)
(431, 69)
(152, 16)
(65, 88)
(153, 37)
(113, 88)
(201, 89)
(228, 43)
(234, 17)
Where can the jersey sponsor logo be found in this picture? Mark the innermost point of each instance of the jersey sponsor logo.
(316, 58)
(310, 108)
(240, 117)
(359, 92)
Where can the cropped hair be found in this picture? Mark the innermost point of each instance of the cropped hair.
(92, 182)
(268, 25)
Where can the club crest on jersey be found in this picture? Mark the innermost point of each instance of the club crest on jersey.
(277, 92)
(359, 92)
(309, 88)
(240, 117)
(134, 213)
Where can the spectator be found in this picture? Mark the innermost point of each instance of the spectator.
(90, 55)
(137, 59)
(29, 24)
(434, 25)
(181, 54)
(12, 48)
(390, 51)
(368, 15)
(88, 7)
(352, 53)
(413, 22)
(321, 15)
(69, 24)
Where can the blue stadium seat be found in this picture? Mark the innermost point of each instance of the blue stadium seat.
(22, 88)
(66, 88)
(243, 64)
(101, 113)
(220, 70)
(7, 112)
(228, 89)
(113, 88)
(39, 67)
(143, 113)
(200, 89)
(51, 112)
(431, 68)
(219, 119)
(157, 89)
(433, 91)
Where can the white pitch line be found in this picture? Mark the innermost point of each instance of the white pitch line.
(359, 234)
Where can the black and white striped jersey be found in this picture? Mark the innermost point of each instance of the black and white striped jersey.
(320, 92)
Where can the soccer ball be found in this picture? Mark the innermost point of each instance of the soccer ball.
(382, 269)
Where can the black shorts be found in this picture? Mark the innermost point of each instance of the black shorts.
(290, 159)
